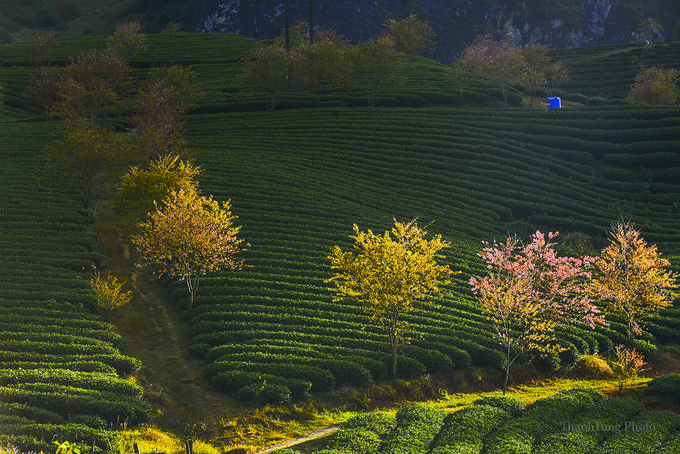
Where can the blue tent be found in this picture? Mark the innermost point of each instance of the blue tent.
(554, 103)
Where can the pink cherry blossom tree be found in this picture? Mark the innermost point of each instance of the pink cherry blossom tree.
(529, 292)
(188, 236)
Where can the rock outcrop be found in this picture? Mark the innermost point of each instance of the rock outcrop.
(552, 23)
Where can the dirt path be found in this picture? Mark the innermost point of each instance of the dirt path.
(172, 380)
(312, 436)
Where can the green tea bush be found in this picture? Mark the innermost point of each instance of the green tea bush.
(598, 101)
(666, 387)
(512, 444)
(417, 425)
(509, 404)
(67, 401)
(570, 355)
(379, 423)
(264, 393)
(407, 368)
(321, 379)
(566, 443)
(576, 97)
(358, 441)
(670, 446)
(642, 434)
(35, 414)
(465, 430)
(230, 382)
(434, 361)
(86, 380)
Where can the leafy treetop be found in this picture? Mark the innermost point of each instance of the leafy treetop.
(631, 277)
(529, 292)
(390, 274)
(188, 236)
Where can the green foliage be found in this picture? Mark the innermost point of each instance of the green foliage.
(92, 87)
(410, 36)
(88, 158)
(127, 41)
(140, 188)
(509, 404)
(232, 381)
(417, 425)
(378, 423)
(108, 293)
(666, 387)
(465, 430)
(59, 365)
(655, 86)
(390, 275)
(264, 393)
(372, 64)
(359, 441)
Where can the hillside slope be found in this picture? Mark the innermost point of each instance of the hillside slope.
(299, 178)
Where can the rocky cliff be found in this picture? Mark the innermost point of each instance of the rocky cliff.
(553, 23)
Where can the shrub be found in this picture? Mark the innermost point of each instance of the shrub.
(232, 381)
(592, 367)
(465, 430)
(569, 356)
(407, 368)
(547, 362)
(379, 423)
(598, 101)
(416, 427)
(510, 404)
(577, 97)
(434, 361)
(667, 387)
(357, 441)
(348, 373)
(647, 349)
(263, 394)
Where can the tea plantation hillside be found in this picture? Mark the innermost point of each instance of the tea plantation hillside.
(299, 179)
(59, 364)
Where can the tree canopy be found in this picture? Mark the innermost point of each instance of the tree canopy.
(390, 275)
(88, 158)
(529, 292)
(410, 36)
(631, 277)
(188, 236)
(655, 86)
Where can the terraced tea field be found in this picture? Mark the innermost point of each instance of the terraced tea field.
(609, 71)
(59, 363)
(575, 421)
(300, 179)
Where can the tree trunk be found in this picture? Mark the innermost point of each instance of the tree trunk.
(311, 22)
(508, 363)
(631, 332)
(192, 286)
(287, 28)
(394, 345)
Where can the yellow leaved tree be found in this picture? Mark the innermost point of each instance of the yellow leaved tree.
(631, 277)
(109, 294)
(390, 275)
